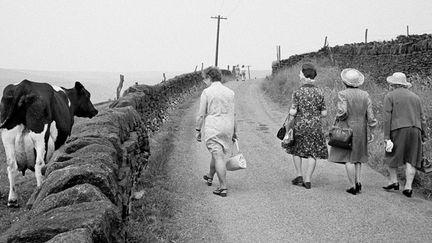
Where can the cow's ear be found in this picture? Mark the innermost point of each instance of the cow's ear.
(78, 86)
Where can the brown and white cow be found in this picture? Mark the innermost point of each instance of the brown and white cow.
(36, 119)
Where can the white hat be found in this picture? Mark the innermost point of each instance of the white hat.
(398, 78)
(352, 77)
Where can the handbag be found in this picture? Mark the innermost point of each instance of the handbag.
(288, 139)
(426, 162)
(237, 161)
(340, 137)
(282, 131)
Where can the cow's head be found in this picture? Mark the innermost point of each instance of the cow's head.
(81, 101)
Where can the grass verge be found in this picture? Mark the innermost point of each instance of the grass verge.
(153, 211)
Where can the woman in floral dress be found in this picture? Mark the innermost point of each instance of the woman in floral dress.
(308, 107)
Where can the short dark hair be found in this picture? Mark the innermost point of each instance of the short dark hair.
(214, 74)
(309, 71)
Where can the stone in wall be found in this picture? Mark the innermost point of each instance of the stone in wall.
(87, 191)
(410, 55)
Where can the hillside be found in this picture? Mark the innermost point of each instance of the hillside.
(102, 85)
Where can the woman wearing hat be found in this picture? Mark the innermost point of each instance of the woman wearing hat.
(404, 131)
(308, 107)
(354, 110)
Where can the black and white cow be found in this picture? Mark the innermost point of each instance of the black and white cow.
(36, 119)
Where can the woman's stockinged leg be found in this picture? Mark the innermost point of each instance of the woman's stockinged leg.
(310, 169)
(357, 172)
(409, 173)
(392, 175)
(350, 169)
(298, 165)
(220, 166)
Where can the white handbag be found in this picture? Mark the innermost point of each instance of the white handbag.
(237, 161)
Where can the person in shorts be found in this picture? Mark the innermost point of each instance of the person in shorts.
(216, 121)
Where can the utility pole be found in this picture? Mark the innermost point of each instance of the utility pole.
(217, 37)
(366, 36)
(407, 30)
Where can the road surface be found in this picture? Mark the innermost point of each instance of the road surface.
(263, 206)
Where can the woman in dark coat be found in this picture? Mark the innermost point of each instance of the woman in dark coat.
(308, 107)
(404, 131)
(354, 111)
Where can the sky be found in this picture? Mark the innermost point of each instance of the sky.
(178, 35)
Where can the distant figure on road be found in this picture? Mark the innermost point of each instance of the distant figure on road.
(308, 107)
(404, 131)
(216, 112)
(243, 72)
(237, 72)
(354, 110)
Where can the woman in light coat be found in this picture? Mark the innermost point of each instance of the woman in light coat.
(354, 111)
(216, 116)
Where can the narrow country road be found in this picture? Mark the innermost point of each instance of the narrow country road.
(263, 206)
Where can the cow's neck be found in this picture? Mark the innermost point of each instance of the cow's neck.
(71, 96)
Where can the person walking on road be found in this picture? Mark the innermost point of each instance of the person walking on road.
(216, 116)
(308, 107)
(237, 72)
(354, 110)
(243, 72)
(404, 131)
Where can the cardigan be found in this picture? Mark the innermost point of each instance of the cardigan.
(402, 108)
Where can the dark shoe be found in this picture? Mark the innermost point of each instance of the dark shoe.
(358, 187)
(298, 181)
(407, 192)
(220, 192)
(13, 204)
(307, 185)
(352, 190)
(208, 179)
(392, 186)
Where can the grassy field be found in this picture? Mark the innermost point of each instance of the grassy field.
(280, 87)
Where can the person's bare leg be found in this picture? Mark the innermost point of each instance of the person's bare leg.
(220, 167)
(212, 170)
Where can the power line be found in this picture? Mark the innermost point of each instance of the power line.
(235, 7)
(217, 37)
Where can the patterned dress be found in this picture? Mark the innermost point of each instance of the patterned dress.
(308, 135)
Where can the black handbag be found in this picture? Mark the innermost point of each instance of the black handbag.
(281, 133)
(340, 137)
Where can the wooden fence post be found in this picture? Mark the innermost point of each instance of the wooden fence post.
(366, 36)
(120, 86)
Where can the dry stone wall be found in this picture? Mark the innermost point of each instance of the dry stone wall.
(86, 195)
(408, 54)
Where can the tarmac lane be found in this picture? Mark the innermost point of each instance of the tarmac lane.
(263, 206)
